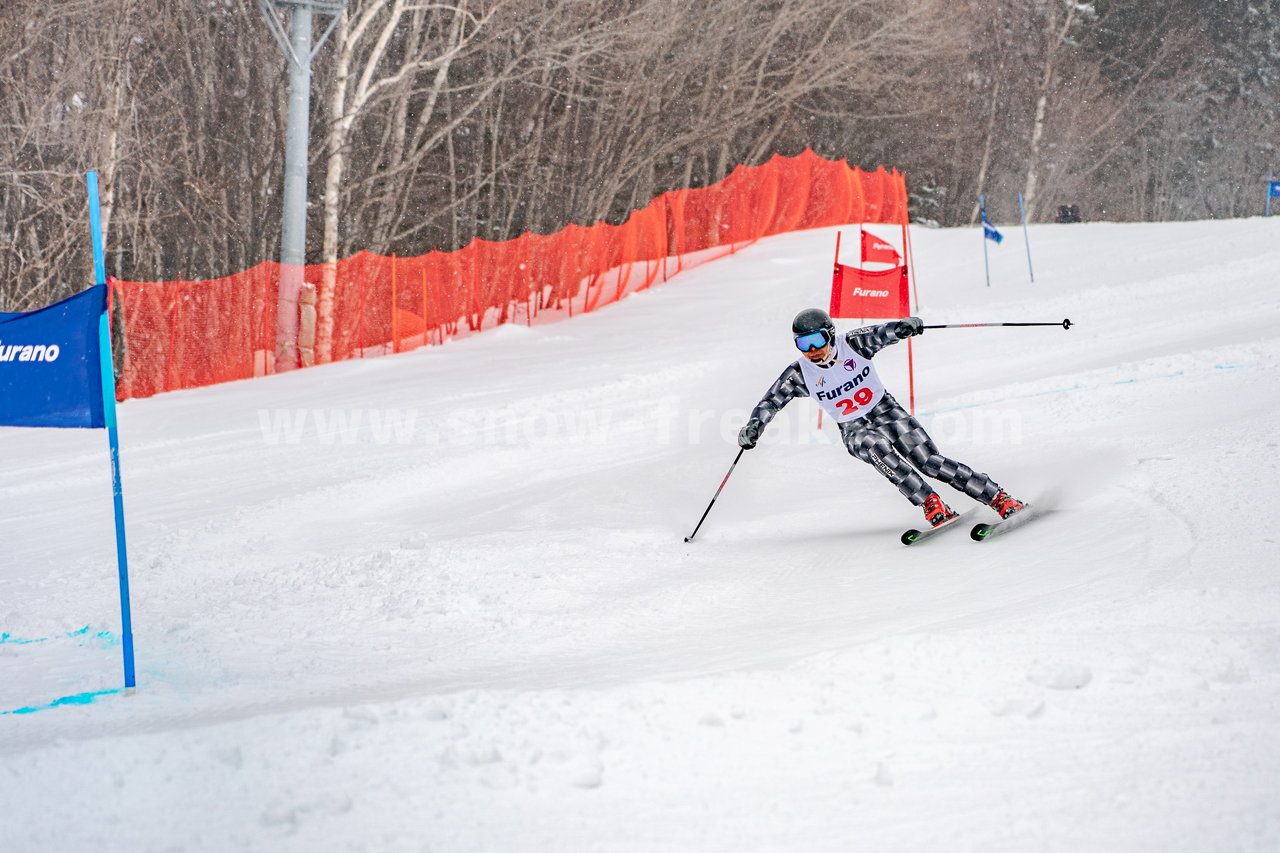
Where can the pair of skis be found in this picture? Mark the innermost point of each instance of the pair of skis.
(979, 532)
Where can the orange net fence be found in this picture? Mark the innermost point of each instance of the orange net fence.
(186, 334)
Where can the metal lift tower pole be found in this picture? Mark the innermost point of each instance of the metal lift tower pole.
(299, 51)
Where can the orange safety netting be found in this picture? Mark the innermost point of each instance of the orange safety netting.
(185, 334)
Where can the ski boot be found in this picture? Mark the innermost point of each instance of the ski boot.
(936, 512)
(1006, 505)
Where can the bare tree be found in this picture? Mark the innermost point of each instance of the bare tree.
(383, 53)
(153, 96)
(442, 122)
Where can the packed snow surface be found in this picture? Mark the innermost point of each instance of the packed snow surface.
(441, 601)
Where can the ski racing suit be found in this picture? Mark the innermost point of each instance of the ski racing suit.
(873, 426)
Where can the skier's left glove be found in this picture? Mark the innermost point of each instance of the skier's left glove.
(750, 434)
(908, 327)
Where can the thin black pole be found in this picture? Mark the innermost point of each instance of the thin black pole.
(1066, 324)
(689, 538)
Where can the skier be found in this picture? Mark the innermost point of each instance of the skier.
(837, 371)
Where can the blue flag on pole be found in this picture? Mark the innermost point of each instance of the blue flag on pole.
(1275, 189)
(56, 371)
(50, 364)
(988, 230)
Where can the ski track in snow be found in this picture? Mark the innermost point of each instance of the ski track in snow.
(484, 631)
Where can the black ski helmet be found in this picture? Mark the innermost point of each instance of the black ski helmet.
(813, 320)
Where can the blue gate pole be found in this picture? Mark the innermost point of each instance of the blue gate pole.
(986, 265)
(1022, 211)
(1270, 180)
(113, 437)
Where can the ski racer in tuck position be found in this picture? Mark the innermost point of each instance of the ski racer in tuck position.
(837, 372)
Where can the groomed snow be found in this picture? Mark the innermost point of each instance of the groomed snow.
(440, 601)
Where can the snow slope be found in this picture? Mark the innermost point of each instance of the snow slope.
(440, 601)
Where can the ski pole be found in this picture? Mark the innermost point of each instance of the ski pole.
(689, 538)
(1066, 324)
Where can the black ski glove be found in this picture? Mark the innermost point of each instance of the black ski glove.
(908, 327)
(750, 434)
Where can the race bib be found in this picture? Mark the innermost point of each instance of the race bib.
(849, 388)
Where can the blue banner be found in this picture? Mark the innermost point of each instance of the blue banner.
(989, 231)
(1275, 189)
(50, 364)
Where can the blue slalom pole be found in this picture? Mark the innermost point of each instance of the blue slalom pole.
(113, 436)
(1270, 184)
(122, 554)
(95, 230)
(986, 265)
(1022, 211)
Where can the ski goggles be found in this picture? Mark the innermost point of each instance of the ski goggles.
(810, 341)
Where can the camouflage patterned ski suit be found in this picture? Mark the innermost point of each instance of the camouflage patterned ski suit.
(887, 438)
